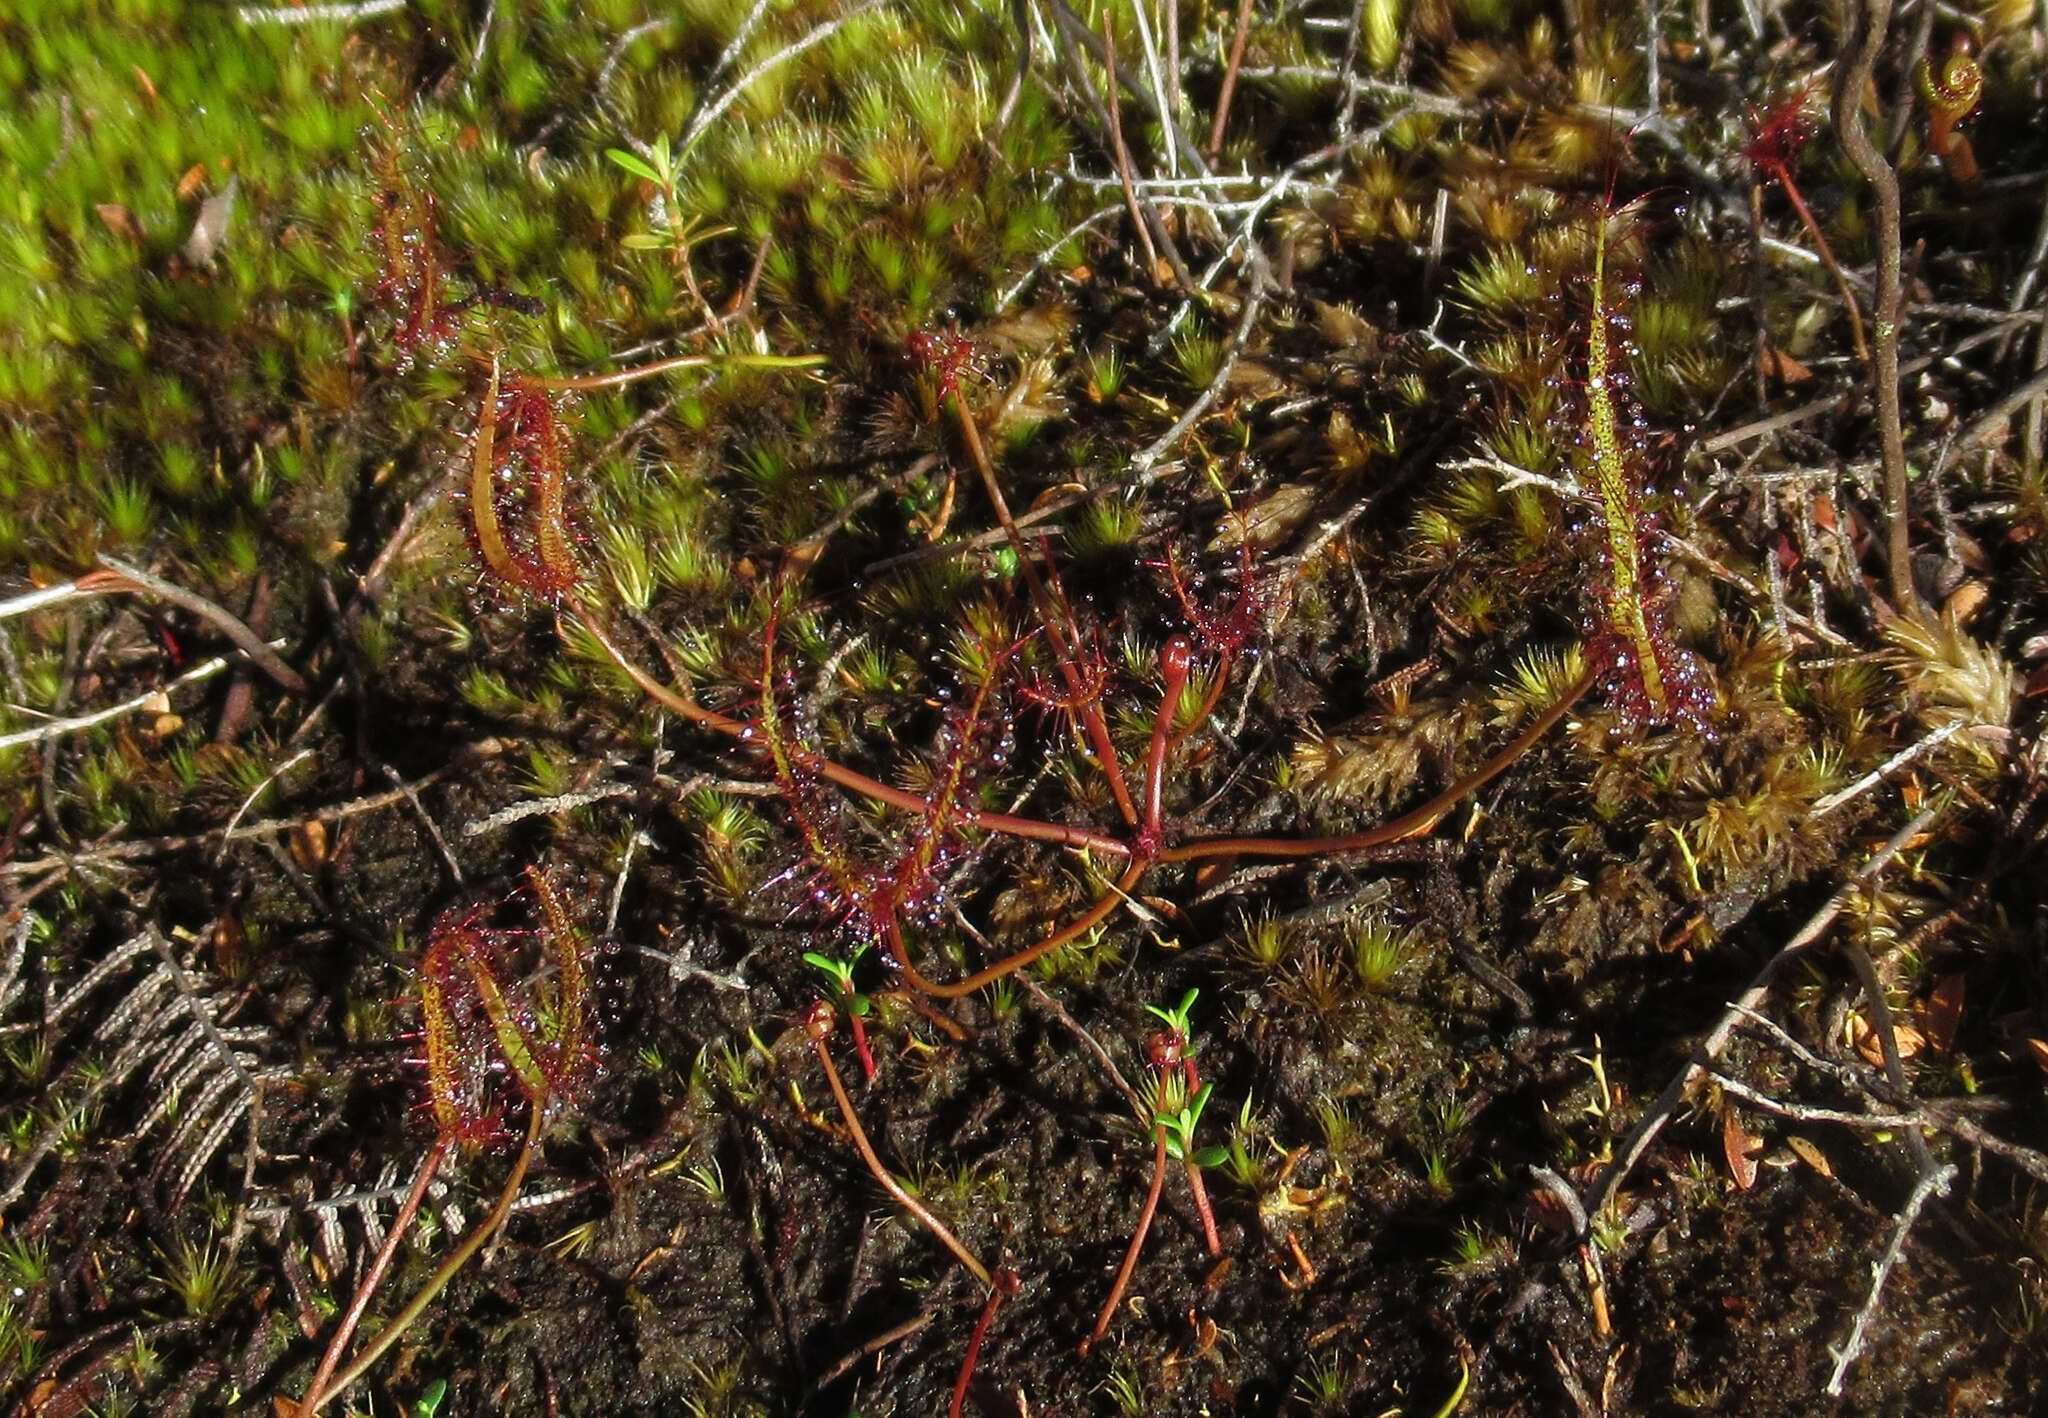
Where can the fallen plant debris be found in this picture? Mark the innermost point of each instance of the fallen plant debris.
(1490, 553)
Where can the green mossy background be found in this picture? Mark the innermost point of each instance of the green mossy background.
(214, 897)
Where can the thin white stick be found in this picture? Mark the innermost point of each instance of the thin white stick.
(1932, 1184)
(717, 107)
(566, 802)
(57, 728)
(1158, 85)
(312, 14)
(43, 596)
(1884, 770)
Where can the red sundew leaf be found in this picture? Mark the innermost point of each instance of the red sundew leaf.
(518, 491)
(570, 1047)
(458, 1085)
(1238, 623)
(949, 355)
(1780, 132)
(493, 1035)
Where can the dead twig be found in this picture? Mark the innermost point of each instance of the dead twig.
(57, 728)
(226, 622)
(1930, 1185)
(1665, 1107)
(1870, 22)
(1231, 65)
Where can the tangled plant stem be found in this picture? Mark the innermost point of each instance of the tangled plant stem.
(818, 1029)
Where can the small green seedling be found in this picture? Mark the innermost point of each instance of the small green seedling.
(848, 1000)
(1180, 1133)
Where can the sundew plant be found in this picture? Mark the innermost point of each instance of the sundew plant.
(766, 707)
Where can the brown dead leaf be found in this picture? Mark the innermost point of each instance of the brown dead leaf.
(1779, 365)
(1811, 1155)
(1741, 1147)
(1824, 512)
(309, 844)
(1871, 1047)
(1964, 601)
(191, 182)
(1940, 1013)
(120, 221)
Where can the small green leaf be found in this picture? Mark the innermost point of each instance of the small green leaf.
(635, 164)
(1212, 1157)
(429, 1402)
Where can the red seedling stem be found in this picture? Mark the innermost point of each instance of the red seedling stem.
(374, 1276)
(1006, 1284)
(1144, 1227)
(818, 1029)
(1210, 1238)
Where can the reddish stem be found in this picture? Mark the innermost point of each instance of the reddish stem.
(1102, 910)
(1202, 1209)
(1195, 1184)
(374, 1276)
(1409, 824)
(1056, 834)
(1175, 662)
(1123, 1275)
(860, 1044)
(1827, 256)
(1005, 1285)
(1052, 614)
(818, 1027)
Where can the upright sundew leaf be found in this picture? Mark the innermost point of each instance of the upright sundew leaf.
(484, 523)
(412, 274)
(907, 883)
(510, 1029)
(520, 453)
(844, 882)
(458, 1088)
(537, 442)
(1649, 678)
(568, 1029)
